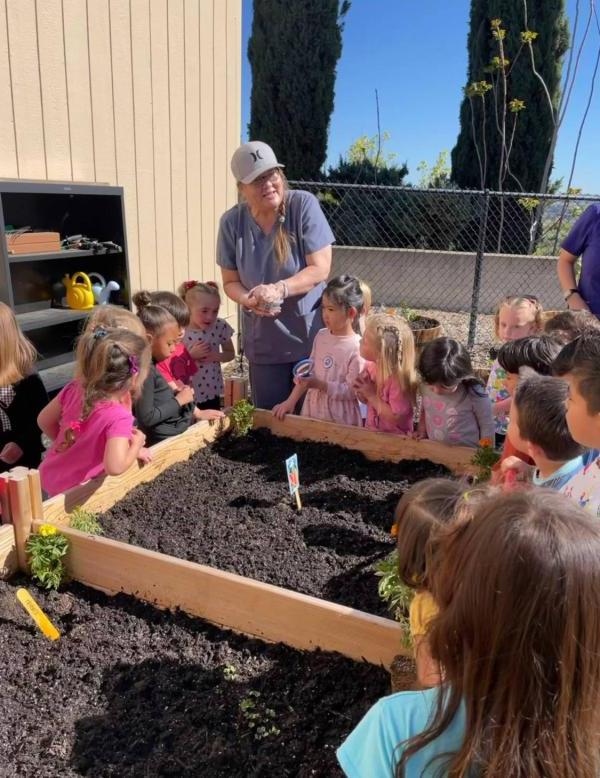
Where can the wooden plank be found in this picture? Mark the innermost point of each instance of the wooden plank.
(159, 65)
(103, 492)
(101, 89)
(177, 122)
(8, 552)
(207, 171)
(144, 143)
(26, 97)
(231, 601)
(222, 172)
(374, 445)
(20, 507)
(54, 90)
(8, 139)
(120, 36)
(192, 125)
(75, 28)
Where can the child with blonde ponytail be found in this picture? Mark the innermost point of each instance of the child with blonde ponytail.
(388, 383)
(90, 420)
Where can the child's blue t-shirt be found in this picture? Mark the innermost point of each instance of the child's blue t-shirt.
(371, 749)
(579, 480)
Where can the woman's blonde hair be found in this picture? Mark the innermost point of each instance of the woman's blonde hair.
(525, 301)
(395, 347)
(17, 353)
(282, 242)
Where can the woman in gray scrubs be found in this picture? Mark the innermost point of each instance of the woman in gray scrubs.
(274, 249)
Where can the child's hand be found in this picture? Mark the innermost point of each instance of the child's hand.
(185, 395)
(212, 356)
(199, 350)
(365, 387)
(138, 439)
(522, 471)
(11, 453)
(282, 409)
(207, 415)
(144, 455)
(311, 382)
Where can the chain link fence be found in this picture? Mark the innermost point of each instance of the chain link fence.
(445, 251)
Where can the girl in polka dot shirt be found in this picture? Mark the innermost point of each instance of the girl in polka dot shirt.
(208, 340)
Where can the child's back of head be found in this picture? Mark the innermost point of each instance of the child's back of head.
(174, 304)
(394, 345)
(425, 507)
(568, 325)
(541, 417)
(446, 362)
(153, 316)
(537, 352)
(517, 634)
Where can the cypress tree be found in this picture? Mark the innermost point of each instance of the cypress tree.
(534, 129)
(293, 51)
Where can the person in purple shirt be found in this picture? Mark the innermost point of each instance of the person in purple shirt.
(274, 250)
(582, 241)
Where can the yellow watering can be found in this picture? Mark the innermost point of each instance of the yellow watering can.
(80, 294)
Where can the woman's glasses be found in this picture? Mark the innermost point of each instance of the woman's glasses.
(270, 176)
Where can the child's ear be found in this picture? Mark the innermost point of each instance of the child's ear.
(352, 312)
(533, 451)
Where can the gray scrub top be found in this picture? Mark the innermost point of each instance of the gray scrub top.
(243, 246)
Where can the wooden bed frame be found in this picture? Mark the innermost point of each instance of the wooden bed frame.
(232, 601)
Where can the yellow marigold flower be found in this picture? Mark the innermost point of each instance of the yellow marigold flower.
(485, 443)
(46, 530)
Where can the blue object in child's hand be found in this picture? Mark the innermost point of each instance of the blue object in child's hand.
(303, 368)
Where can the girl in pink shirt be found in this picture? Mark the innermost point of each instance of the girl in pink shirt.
(328, 391)
(90, 420)
(388, 384)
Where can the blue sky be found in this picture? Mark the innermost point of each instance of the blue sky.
(414, 54)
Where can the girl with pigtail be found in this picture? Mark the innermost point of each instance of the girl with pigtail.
(89, 421)
(388, 383)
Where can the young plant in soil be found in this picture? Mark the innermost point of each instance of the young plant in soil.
(258, 717)
(242, 417)
(46, 551)
(85, 521)
(484, 459)
(395, 593)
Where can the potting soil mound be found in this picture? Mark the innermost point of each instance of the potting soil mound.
(229, 506)
(129, 690)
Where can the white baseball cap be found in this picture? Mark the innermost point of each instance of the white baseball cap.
(251, 160)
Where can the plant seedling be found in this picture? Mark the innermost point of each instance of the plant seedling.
(242, 417)
(86, 521)
(46, 550)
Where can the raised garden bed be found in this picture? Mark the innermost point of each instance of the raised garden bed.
(229, 507)
(130, 690)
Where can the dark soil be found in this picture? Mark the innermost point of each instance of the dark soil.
(130, 690)
(229, 507)
(423, 323)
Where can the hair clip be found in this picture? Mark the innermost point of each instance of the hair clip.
(75, 426)
(134, 365)
(187, 285)
(281, 218)
(100, 333)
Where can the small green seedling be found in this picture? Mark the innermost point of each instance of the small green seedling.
(230, 673)
(395, 593)
(46, 551)
(258, 717)
(242, 417)
(86, 521)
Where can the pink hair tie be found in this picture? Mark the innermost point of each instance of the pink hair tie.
(75, 426)
(134, 365)
(187, 285)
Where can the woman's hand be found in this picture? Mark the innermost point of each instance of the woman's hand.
(267, 299)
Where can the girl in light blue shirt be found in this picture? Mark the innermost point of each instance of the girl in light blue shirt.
(517, 582)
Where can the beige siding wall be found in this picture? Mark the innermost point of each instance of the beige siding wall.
(141, 93)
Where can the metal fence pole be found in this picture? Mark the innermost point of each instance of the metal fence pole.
(478, 268)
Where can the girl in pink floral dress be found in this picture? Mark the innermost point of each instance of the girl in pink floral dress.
(328, 391)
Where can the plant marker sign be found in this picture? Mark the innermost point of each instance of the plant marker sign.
(293, 476)
(37, 614)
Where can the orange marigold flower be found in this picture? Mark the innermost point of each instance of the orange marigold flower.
(485, 443)
(394, 530)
